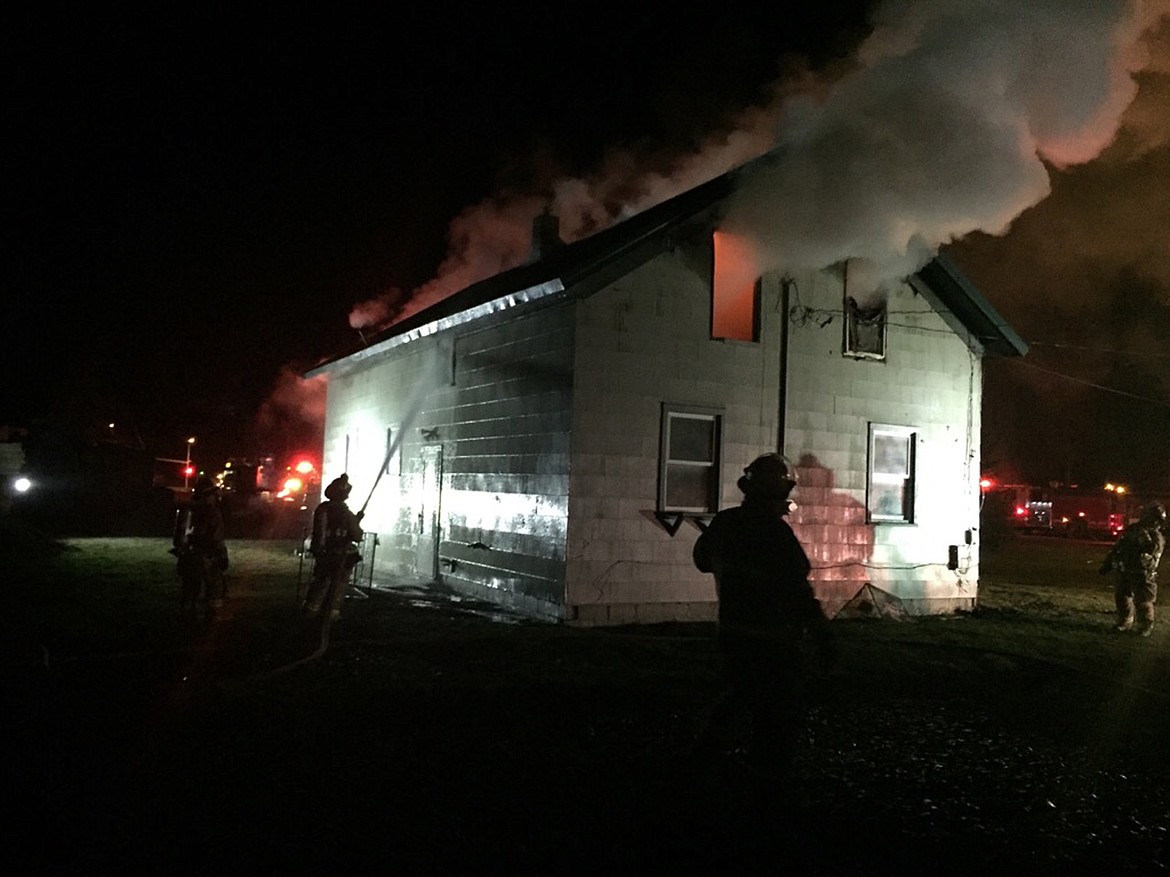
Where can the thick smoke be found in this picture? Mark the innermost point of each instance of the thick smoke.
(1101, 221)
(948, 124)
(947, 128)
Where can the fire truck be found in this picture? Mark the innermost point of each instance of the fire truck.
(297, 483)
(1085, 516)
(1069, 511)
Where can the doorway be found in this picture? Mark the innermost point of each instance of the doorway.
(429, 532)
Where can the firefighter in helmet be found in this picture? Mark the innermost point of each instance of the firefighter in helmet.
(1134, 557)
(766, 610)
(198, 543)
(336, 532)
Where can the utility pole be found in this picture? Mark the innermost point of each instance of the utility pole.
(187, 465)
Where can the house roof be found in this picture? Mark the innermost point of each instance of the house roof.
(591, 263)
(965, 309)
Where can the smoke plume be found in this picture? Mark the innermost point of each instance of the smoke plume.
(948, 123)
(293, 414)
(949, 126)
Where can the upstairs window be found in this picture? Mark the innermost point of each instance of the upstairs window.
(865, 330)
(688, 473)
(890, 489)
(735, 289)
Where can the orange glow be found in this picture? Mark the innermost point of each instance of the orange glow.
(734, 312)
(293, 485)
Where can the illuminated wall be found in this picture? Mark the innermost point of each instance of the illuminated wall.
(643, 342)
(476, 491)
(529, 459)
(930, 382)
(506, 477)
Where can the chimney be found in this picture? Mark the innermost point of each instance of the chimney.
(546, 237)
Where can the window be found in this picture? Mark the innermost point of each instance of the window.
(865, 330)
(688, 474)
(735, 289)
(890, 491)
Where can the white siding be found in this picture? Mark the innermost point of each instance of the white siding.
(931, 382)
(642, 342)
(494, 397)
(550, 437)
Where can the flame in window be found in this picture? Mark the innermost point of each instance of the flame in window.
(735, 289)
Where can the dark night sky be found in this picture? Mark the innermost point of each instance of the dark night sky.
(202, 197)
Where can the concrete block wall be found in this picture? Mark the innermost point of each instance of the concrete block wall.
(930, 381)
(400, 392)
(641, 343)
(549, 422)
(495, 399)
(504, 426)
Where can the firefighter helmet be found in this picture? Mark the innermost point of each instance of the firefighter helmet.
(769, 475)
(339, 488)
(1155, 511)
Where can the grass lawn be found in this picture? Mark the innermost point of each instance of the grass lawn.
(420, 734)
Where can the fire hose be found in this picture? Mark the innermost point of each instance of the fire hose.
(381, 471)
(409, 419)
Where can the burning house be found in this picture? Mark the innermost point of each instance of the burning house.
(552, 437)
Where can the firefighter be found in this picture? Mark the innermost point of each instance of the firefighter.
(1135, 557)
(767, 609)
(198, 543)
(336, 532)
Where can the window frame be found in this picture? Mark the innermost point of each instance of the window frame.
(878, 481)
(719, 292)
(665, 463)
(850, 346)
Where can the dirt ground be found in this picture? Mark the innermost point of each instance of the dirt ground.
(423, 734)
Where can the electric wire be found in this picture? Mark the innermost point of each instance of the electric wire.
(802, 315)
(1159, 402)
(1085, 348)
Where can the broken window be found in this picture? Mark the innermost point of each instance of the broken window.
(735, 289)
(865, 330)
(890, 488)
(688, 474)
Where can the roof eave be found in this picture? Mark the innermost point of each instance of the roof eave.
(965, 309)
(602, 263)
(412, 331)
